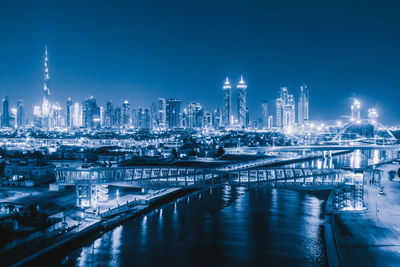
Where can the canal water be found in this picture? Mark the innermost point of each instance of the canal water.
(223, 226)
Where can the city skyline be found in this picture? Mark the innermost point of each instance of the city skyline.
(337, 58)
(50, 114)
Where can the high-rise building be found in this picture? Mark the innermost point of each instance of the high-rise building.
(109, 115)
(285, 109)
(217, 118)
(242, 103)
(173, 109)
(102, 116)
(90, 113)
(154, 116)
(302, 112)
(355, 110)
(20, 114)
(13, 117)
(264, 107)
(126, 114)
(69, 113)
(146, 122)
(194, 115)
(227, 109)
(77, 115)
(46, 105)
(56, 117)
(37, 117)
(5, 117)
(270, 122)
(162, 113)
(117, 117)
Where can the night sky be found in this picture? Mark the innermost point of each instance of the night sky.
(142, 50)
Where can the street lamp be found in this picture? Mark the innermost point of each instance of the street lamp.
(117, 197)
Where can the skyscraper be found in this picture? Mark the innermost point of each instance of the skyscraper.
(302, 112)
(90, 113)
(173, 109)
(109, 115)
(153, 116)
(162, 113)
(20, 114)
(285, 109)
(264, 107)
(194, 115)
(69, 113)
(227, 109)
(46, 111)
(126, 114)
(242, 103)
(355, 110)
(5, 117)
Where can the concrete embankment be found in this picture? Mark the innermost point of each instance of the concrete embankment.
(332, 249)
(72, 240)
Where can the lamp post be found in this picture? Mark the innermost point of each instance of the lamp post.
(117, 197)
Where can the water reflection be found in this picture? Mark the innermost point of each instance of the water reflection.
(227, 226)
(359, 158)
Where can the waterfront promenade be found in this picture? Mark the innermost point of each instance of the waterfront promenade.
(372, 237)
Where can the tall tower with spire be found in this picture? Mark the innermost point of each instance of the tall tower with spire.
(227, 111)
(46, 106)
(242, 102)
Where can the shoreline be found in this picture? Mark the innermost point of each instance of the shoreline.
(93, 231)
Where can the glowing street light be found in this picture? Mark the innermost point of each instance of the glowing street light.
(117, 197)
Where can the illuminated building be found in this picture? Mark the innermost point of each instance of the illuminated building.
(285, 110)
(109, 115)
(56, 118)
(46, 106)
(208, 120)
(373, 114)
(5, 117)
(117, 117)
(37, 117)
(173, 109)
(270, 122)
(90, 113)
(194, 116)
(302, 115)
(153, 116)
(227, 109)
(126, 114)
(217, 118)
(20, 114)
(102, 117)
(242, 104)
(77, 116)
(69, 112)
(162, 113)
(13, 117)
(264, 107)
(355, 110)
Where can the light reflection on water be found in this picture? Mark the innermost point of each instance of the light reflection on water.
(359, 158)
(227, 226)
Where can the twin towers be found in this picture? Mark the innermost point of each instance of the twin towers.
(243, 111)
